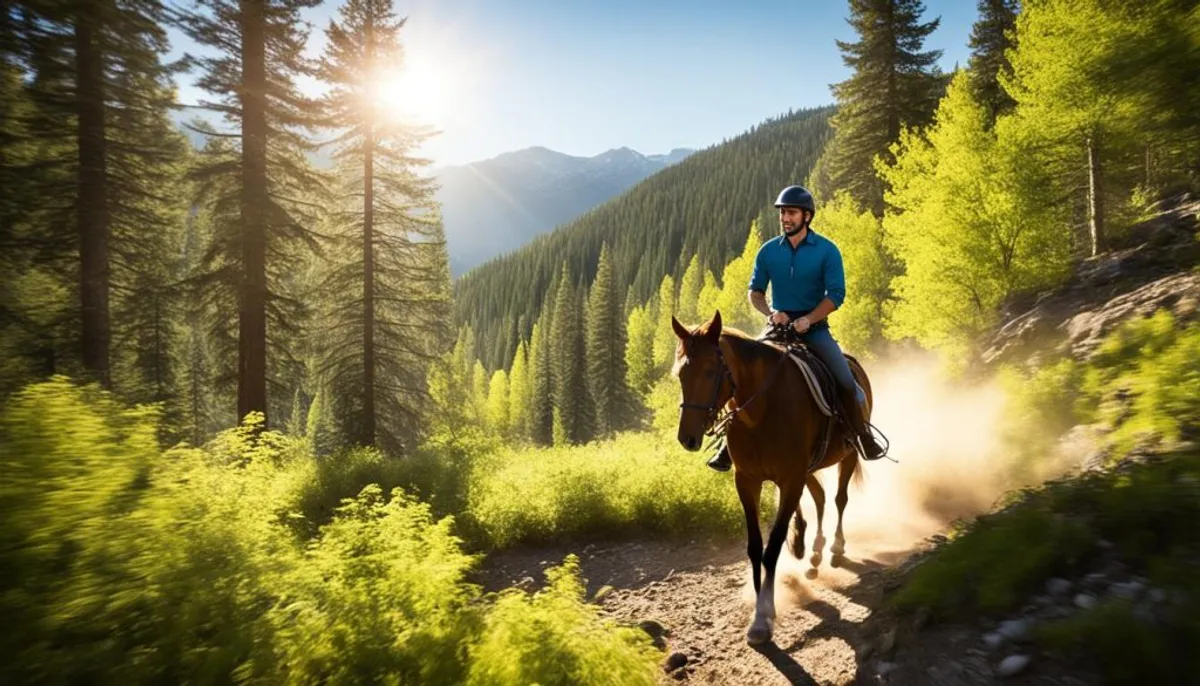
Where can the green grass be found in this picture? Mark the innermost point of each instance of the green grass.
(634, 485)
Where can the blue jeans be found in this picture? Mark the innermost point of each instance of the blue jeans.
(821, 341)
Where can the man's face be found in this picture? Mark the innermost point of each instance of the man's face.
(791, 219)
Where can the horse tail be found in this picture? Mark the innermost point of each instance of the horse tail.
(857, 476)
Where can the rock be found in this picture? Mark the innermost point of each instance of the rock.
(1095, 579)
(921, 619)
(1012, 665)
(1129, 590)
(1043, 601)
(993, 640)
(602, 592)
(674, 662)
(1057, 586)
(885, 668)
(1015, 629)
(1086, 601)
(1157, 595)
(887, 643)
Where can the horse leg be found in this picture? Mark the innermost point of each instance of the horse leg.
(764, 614)
(818, 496)
(749, 490)
(846, 470)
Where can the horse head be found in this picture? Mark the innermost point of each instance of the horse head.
(704, 379)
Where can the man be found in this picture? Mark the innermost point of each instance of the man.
(808, 283)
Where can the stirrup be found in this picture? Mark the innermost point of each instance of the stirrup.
(721, 462)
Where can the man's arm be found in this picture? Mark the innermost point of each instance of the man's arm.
(758, 300)
(834, 276)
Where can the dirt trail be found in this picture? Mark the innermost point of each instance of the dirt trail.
(701, 594)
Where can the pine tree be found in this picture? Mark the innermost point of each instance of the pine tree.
(991, 37)
(606, 344)
(104, 176)
(390, 246)
(258, 53)
(689, 292)
(895, 84)
(566, 359)
(541, 405)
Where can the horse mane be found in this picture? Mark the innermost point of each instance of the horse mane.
(747, 347)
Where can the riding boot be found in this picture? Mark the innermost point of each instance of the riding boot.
(721, 462)
(856, 414)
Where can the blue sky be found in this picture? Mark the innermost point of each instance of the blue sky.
(582, 77)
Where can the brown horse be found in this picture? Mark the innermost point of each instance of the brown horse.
(774, 434)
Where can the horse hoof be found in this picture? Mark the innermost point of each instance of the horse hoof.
(757, 635)
(837, 560)
(815, 560)
(811, 573)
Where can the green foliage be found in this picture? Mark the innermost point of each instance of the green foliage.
(125, 563)
(553, 637)
(634, 484)
(639, 352)
(1143, 380)
(380, 596)
(1128, 649)
(859, 237)
(965, 235)
(664, 336)
(1042, 406)
(734, 301)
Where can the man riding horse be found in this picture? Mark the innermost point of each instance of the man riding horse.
(807, 281)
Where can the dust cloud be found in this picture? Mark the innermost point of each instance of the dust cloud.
(947, 440)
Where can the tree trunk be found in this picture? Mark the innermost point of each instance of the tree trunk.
(252, 319)
(92, 207)
(1095, 199)
(368, 419)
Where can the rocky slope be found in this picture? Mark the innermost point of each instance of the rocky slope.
(1152, 267)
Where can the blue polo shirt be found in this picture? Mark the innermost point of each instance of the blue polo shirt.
(800, 277)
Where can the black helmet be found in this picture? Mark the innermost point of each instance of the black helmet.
(796, 196)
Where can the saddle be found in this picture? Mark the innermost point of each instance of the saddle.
(820, 380)
(821, 384)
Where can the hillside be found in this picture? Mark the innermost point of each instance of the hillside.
(521, 194)
(704, 205)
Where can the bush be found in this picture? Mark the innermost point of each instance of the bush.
(553, 637)
(124, 563)
(635, 484)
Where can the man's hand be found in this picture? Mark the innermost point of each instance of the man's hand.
(801, 325)
(778, 318)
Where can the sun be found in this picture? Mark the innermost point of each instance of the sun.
(416, 91)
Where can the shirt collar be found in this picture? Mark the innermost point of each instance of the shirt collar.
(809, 238)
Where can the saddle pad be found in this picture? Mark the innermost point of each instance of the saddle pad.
(818, 377)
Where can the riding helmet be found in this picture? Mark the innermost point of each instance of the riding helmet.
(796, 196)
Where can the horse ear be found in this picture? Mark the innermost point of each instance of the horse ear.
(680, 330)
(714, 328)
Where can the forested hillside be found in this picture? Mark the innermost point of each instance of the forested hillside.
(702, 206)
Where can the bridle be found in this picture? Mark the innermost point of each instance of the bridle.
(717, 424)
(713, 408)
